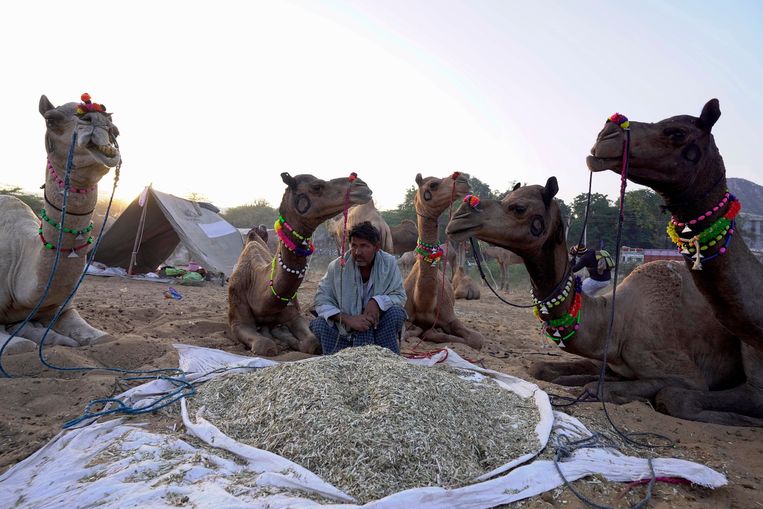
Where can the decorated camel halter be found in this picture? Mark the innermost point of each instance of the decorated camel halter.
(302, 246)
(558, 330)
(60, 182)
(692, 247)
(433, 253)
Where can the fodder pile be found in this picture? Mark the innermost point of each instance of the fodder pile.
(373, 424)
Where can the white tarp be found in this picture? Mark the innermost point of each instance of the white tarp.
(120, 463)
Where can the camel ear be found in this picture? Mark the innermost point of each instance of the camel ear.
(517, 186)
(419, 179)
(552, 187)
(45, 105)
(288, 180)
(710, 115)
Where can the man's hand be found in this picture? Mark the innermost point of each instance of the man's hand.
(373, 312)
(359, 323)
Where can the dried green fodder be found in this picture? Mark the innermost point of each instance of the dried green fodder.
(373, 424)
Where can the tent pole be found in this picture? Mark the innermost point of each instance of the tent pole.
(138, 235)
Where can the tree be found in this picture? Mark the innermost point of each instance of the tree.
(246, 216)
(601, 225)
(403, 211)
(644, 225)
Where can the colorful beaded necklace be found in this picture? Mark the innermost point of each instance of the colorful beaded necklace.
(295, 247)
(72, 254)
(60, 182)
(430, 253)
(691, 248)
(556, 298)
(57, 226)
(270, 283)
(560, 329)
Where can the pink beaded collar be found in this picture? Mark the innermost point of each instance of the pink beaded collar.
(60, 181)
(704, 216)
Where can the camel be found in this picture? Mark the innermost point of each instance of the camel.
(665, 336)
(678, 158)
(260, 231)
(28, 244)
(430, 295)
(406, 261)
(505, 259)
(358, 214)
(404, 236)
(464, 287)
(262, 295)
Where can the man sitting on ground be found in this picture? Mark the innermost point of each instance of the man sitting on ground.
(362, 303)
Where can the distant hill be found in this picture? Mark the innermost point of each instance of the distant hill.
(749, 193)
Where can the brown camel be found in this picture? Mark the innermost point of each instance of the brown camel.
(262, 303)
(260, 231)
(505, 259)
(677, 157)
(29, 244)
(464, 286)
(404, 236)
(358, 214)
(430, 295)
(664, 334)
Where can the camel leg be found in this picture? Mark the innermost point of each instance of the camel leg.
(463, 334)
(413, 331)
(621, 392)
(71, 324)
(17, 344)
(36, 331)
(503, 275)
(571, 373)
(257, 342)
(740, 406)
(306, 342)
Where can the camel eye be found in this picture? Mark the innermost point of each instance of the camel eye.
(675, 134)
(434, 185)
(518, 209)
(316, 187)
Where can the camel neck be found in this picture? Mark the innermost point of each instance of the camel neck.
(287, 273)
(428, 230)
(690, 206)
(76, 224)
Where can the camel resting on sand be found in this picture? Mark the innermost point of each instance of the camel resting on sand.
(678, 158)
(430, 295)
(665, 335)
(28, 244)
(465, 287)
(262, 295)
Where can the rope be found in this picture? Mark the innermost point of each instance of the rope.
(587, 208)
(477, 256)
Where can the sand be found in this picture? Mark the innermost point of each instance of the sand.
(38, 400)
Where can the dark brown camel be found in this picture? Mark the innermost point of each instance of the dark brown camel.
(664, 335)
(262, 303)
(404, 236)
(677, 158)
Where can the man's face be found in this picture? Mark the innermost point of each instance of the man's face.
(363, 251)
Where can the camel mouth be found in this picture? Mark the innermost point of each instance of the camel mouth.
(105, 154)
(459, 230)
(597, 164)
(361, 195)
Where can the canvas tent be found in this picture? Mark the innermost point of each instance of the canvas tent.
(158, 222)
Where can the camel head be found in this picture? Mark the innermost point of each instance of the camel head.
(96, 150)
(527, 221)
(677, 157)
(309, 201)
(436, 194)
(260, 231)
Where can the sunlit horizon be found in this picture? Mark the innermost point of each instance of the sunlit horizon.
(219, 102)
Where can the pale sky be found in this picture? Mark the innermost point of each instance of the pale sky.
(219, 98)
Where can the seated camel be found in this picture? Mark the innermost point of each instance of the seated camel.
(430, 295)
(664, 334)
(464, 287)
(678, 158)
(262, 294)
(29, 244)
(404, 236)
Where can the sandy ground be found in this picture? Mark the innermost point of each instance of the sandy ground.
(38, 400)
